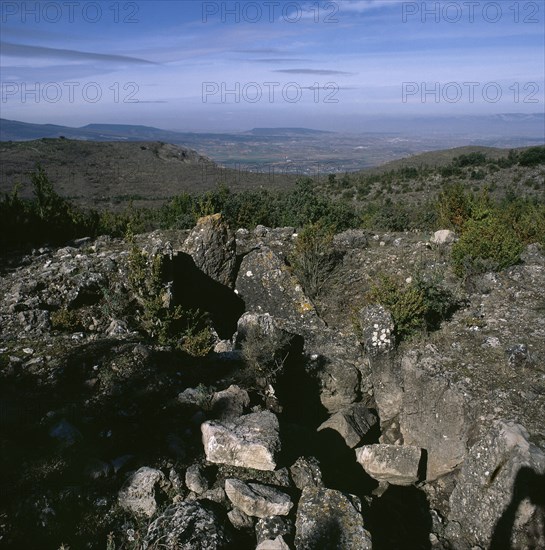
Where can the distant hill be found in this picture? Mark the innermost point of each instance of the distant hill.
(286, 132)
(112, 173)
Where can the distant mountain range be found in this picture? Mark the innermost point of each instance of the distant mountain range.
(13, 130)
(304, 151)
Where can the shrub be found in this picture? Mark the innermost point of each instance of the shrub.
(405, 303)
(453, 206)
(532, 156)
(185, 329)
(313, 258)
(486, 244)
(416, 306)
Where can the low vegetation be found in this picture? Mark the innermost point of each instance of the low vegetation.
(493, 226)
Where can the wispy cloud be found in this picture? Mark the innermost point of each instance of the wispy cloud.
(22, 50)
(321, 72)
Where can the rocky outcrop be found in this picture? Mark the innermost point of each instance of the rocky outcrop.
(395, 464)
(424, 409)
(257, 500)
(330, 519)
(499, 495)
(251, 441)
(212, 246)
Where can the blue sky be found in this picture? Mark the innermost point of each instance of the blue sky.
(225, 66)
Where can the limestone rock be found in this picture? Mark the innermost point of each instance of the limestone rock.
(187, 526)
(396, 464)
(251, 441)
(443, 236)
(433, 417)
(212, 246)
(305, 472)
(272, 527)
(351, 423)
(327, 518)
(240, 520)
(257, 500)
(266, 285)
(139, 494)
(230, 403)
(377, 329)
(498, 498)
(195, 479)
(339, 386)
(275, 544)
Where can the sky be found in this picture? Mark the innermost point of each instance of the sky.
(232, 66)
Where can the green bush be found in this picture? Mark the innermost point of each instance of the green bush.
(416, 306)
(184, 329)
(532, 156)
(487, 244)
(313, 258)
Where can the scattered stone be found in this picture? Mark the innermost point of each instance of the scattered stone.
(140, 493)
(305, 472)
(251, 441)
(188, 526)
(396, 464)
(352, 423)
(257, 500)
(517, 355)
(195, 479)
(327, 518)
(240, 520)
(276, 544)
(443, 236)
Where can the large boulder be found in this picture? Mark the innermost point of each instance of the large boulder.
(257, 500)
(376, 329)
(327, 518)
(251, 441)
(351, 423)
(187, 526)
(266, 285)
(499, 497)
(339, 385)
(213, 248)
(395, 464)
(140, 493)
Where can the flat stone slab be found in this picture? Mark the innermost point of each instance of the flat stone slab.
(250, 441)
(257, 500)
(396, 464)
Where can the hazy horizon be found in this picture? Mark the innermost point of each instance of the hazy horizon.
(233, 66)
